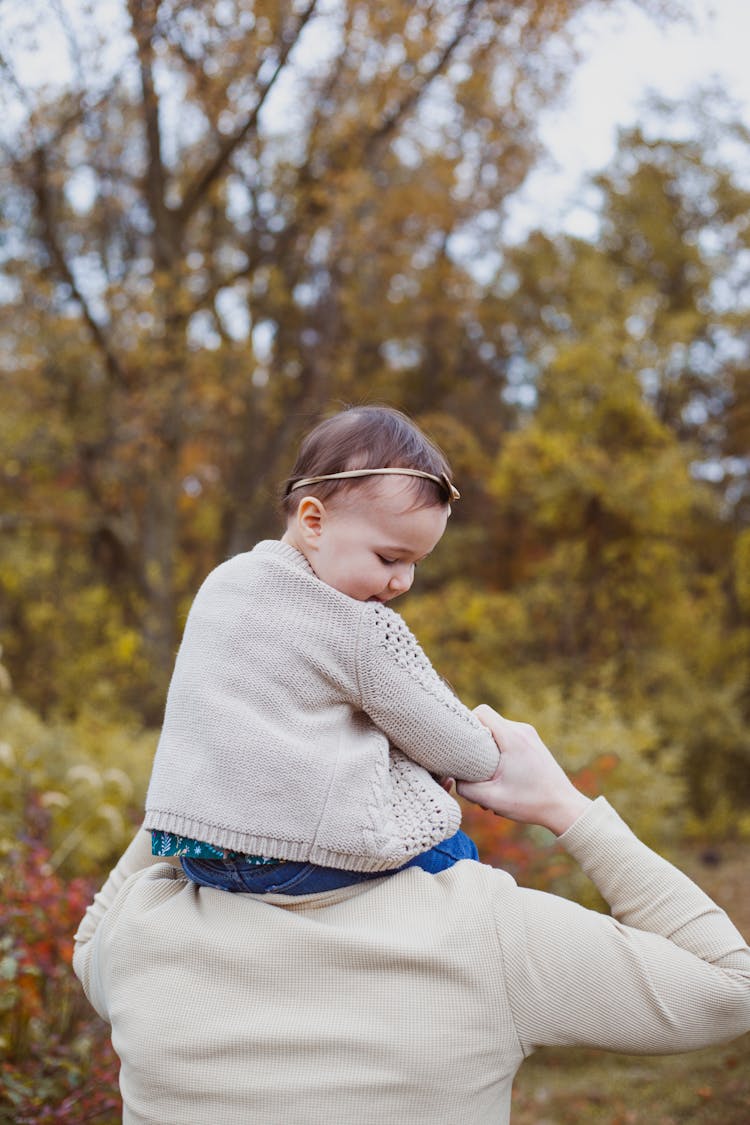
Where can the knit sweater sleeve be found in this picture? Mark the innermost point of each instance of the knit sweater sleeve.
(404, 696)
(666, 972)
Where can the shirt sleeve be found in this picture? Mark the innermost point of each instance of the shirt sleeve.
(666, 972)
(404, 696)
(85, 960)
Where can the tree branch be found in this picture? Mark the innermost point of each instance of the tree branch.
(143, 19)
(20, 90)
(197, 191)
(40, 187)
(399, 111)
(73, 46)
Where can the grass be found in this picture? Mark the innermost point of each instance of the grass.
(712, 1087)
(585, 1087)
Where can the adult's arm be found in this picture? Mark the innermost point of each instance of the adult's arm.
(666, 972)
(136, 857)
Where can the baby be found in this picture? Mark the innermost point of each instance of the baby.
(305, 729)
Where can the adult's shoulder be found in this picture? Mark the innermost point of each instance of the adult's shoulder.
(489, 893)
(472, 876)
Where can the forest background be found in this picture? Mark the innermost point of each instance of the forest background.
(235, 216)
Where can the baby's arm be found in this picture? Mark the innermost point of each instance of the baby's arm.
(404, 696)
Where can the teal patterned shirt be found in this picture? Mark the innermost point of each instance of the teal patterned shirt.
(168, 843)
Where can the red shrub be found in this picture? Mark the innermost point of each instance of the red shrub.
(56, 1060)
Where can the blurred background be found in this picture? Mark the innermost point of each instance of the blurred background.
(223, 220)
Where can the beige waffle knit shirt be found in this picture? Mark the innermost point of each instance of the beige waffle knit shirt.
(410, 1000)
(304, 725)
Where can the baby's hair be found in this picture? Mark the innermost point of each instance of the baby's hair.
(366, 437)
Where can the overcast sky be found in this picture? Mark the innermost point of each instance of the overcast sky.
(624, 54)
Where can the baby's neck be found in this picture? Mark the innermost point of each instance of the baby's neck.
(292, 541)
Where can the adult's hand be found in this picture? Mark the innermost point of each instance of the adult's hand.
(528, 784)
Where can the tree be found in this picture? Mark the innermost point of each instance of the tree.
(674, 224)
(226, 217)
(615, 552)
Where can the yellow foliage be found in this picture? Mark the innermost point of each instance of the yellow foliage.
(742, 571)
(89, 778)
(234, 301)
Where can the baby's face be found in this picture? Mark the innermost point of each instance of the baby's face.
(369, 550)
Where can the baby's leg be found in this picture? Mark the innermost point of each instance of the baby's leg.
(446, 853)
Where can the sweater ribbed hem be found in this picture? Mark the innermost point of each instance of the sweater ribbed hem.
(294, 851)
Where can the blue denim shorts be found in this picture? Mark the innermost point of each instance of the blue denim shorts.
(309, 878)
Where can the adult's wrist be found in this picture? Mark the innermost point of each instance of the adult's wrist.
(566, 810)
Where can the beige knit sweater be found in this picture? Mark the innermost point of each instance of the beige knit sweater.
(410, 1000)
(304, 725)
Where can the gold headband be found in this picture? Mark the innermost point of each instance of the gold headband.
(443, 480)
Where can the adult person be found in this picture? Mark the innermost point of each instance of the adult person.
(411, 999)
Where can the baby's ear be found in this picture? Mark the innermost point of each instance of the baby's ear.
(311, 515)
